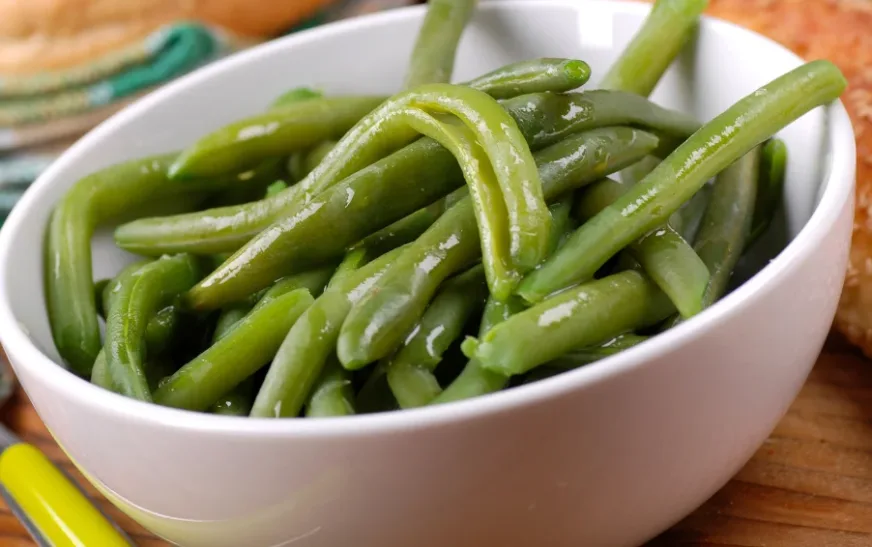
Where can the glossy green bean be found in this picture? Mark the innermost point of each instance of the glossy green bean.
(668, 27)
(353, 261)
(332, 394)
(225, 365)
(279, 132)
(311, 342)
(687, 220)
(586, 356)
(475, 380)
(770, 190)
(714, 147)
(100, 373)
(147, 290)
(424, 166)
(410, 370)
(161, 330)
(664, 255)
(452, 243)
(313, 281)
(316, 155)
(295, 95)
(436, 46)
(534, 76)
(589, 314)
(727, 222)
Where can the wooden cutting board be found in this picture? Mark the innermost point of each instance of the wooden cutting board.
(809, 485)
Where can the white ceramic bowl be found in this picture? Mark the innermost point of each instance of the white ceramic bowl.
(610, 454)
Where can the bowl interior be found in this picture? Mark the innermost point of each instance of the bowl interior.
(368, 56)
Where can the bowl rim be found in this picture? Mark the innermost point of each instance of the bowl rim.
(839, 186)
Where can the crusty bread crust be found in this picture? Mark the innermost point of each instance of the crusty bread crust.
(841, 31)
(40, 35)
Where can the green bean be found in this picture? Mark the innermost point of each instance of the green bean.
(589, 314)
(687, 220)
(424, 166)
(770, 190)
(352, 262)
(251, 185)
(586, 356)
(316, 155)
(668, 27)
(275, 188)
(161, 330)
(225, 365)
(333, 394)
(279, 132)
(452, 243)
(534, 76)
(237, 402)
(476, 380)
(148, 289)
(436, 46)
(311, 342)
(229, 320)
(100, 373)
(711, 149)
(313, 281)
(122, 191)
(440, 326)
(295, 95)
(664, 255)
(99, 287)
(727, 222)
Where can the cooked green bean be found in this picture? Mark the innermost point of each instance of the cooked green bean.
(161, 330)
(770, 190)
(667, 28)
(275, 188)
(667, 258)
(333, 394)
(586, 356)
(436, 46)
(279, 132)
(123, 191)
(452, 243)
(99, 287)
(147, 290)
(589, 314)
(225, 365)
(727, 222)
(687, 220)
(424, 166)
(534, 76)
(100, 373)
(296, 95)
(312, 341)
(710, 150)
(440, 326)
(237, 402)
(316, 155)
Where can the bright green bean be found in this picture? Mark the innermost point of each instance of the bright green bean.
(452, 243)
(668, 27)
(225, 365)
(589, 314)
(436, 46)
(333, 394)
(534, 76)
(440, 326)
(147, 290)
(710, 150)
(770, 190)
(295, 95)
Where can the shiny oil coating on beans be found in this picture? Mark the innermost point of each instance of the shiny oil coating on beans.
(715, 146)
(376, 325)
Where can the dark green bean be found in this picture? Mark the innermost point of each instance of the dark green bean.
(148, 289)
(225, 365)
(727, 222)
(99, 287)
(333, 394)
(436, 46)
(442, 323)
(714, 147)
(424, 166)
(668, 27)
(237, 402)
(312, 341)
(452, 243)
(589, 314)
(770, 190)
(161, 330)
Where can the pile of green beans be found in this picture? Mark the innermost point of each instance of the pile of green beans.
(338, 255)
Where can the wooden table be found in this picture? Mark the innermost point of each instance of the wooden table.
(810, 485)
